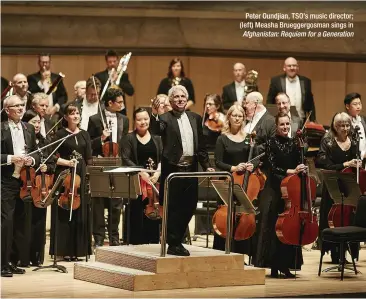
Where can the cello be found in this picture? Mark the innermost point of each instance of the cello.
(298, 225)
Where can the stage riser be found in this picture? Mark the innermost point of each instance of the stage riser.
(128, 279)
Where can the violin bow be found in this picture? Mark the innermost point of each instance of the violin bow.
(306, 121)
(50, 130)
(51, 154)
(100, 108)
(73, 188)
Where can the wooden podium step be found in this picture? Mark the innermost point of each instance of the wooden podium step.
(140, 268)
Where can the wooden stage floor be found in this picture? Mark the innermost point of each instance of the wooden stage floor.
(50, 284)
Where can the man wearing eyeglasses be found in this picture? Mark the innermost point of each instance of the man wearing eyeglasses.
(110, 126)
(17, 138)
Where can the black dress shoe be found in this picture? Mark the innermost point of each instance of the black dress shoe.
(287, 273)
(178, 250)
(98, 243)
(114, 243)
(15, 270)
(274, 273)
(6, 272)
(75, 259)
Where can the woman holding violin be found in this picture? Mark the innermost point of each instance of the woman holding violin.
(73, 235)
(231, 153)
(30, 230)
(338, 151)
(142, 149)
(213, 120)
(283, 155)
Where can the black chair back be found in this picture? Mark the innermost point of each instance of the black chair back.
(361, 212)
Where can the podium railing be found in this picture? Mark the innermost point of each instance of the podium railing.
(216, 174)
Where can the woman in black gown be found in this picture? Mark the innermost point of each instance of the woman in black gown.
(30, 230)
(73, 237)
(232, 151)
(138, 149)
(338, 150)
(283, 156)
(176, 76)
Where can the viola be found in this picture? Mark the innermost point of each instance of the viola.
(298, 225)
(214, 123)
(110, 149)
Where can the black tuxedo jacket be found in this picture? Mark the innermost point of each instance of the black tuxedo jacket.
(167, 127)
(59, 96)
(265, 128)
(228, 95)
(278, 84)
(95, 130)
(7, 146)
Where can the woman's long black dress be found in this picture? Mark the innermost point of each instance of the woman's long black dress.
(73, 237)
(282, 154)
(332, 157)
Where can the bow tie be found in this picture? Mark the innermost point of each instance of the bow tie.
(13, 125)
(292, 80)
(111, 115)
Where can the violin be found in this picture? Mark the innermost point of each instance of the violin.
(298, 225)
(153, 209)
(42, 187)
(214, 123)
(27, 176)
(110, 149)
(70, 198)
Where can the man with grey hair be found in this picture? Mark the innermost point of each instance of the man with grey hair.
(235, 91)
(297, 87)
(183, 148)
(40, 104)
(80, 90)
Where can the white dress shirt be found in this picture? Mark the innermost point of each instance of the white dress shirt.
(43, 128)
(293, 90)
(88, 110)
(356, 121)
(250, 124)
(289, 131)
(112, 123)
(240, 91)
(186, 133)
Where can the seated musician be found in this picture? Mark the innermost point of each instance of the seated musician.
(213, 120)
(139, 148)
(283, 105)
(16, 138)
(30, 237)
(353, 106)
(337, 151)
(283, 156)
(110, 126)
(231, 153)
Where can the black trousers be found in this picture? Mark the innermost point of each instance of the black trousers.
(99, 204)
(10, 190)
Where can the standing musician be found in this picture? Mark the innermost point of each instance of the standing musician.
(338, 150)
(177, 76)
(231, 154)
(213, 120)
(80, 90)
(297, 87)
(110, 126)
(283, 156)
(16, 138)
(73, 237)
(40, 105)
(353, 105)
(42, 81)
(30, 224)
(20, 85)
(183, 148)
(283, 105)
(112, 61)
(138, 149)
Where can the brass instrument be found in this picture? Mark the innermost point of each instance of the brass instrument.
(176, 81)
(251, 82)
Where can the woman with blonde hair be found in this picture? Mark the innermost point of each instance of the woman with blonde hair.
(231, 154)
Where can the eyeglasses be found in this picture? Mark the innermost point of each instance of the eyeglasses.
(236, 116)
(17, 106)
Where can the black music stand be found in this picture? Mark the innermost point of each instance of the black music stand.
(107, 161)
(348, 180)
(103, 183)
(55, 204)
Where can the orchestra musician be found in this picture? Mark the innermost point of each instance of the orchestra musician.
(112, 61)
(20, 85)
(353, 105)
(183, 148)
(110, 126)
(235, 91)
(338, 150)
(297, 87)
(137, 149)
(16, 138)
(40, 105)
(30, 237)
(283, 156)
(176, 76)
(42, 81)
(283, 105)
(80, 90)
(73, 237)
(231, 154)
(213, 120)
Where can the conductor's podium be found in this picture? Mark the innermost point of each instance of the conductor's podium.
(140, 268)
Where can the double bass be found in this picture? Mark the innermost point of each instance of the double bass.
(298, 225)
